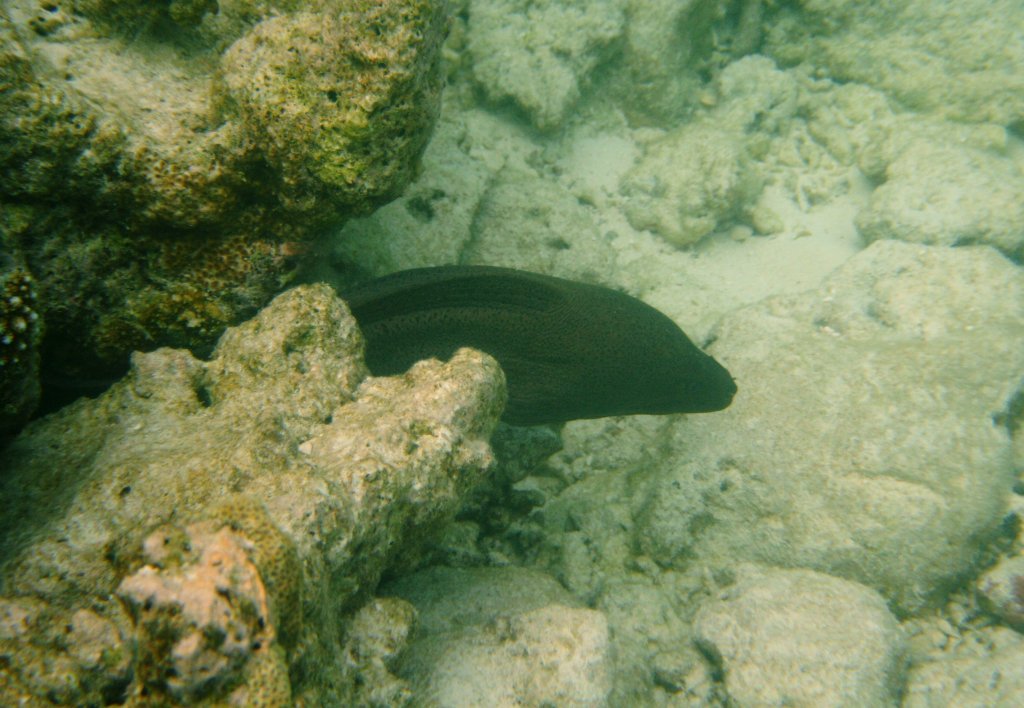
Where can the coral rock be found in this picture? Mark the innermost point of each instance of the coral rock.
(803, 638)
(240, 506)
(875, 444)
(541, 53)
(1001, 590)
(212, 610)
(160, 162)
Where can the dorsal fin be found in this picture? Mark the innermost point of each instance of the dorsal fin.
(424, 289)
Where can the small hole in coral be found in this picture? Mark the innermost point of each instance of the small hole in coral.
(203, 395)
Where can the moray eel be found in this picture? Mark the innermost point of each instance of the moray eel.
(569, 350)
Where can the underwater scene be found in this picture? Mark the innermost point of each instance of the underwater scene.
(512, 353)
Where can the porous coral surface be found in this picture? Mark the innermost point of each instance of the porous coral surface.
(164, 165)
(224, 517)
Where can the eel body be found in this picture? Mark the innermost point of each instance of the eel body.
(569, 350)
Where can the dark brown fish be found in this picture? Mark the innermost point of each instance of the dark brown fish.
(569, 350)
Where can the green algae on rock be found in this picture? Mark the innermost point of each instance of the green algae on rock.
(133, 16)
(164, 165)
(278, 456)
(342, 96)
